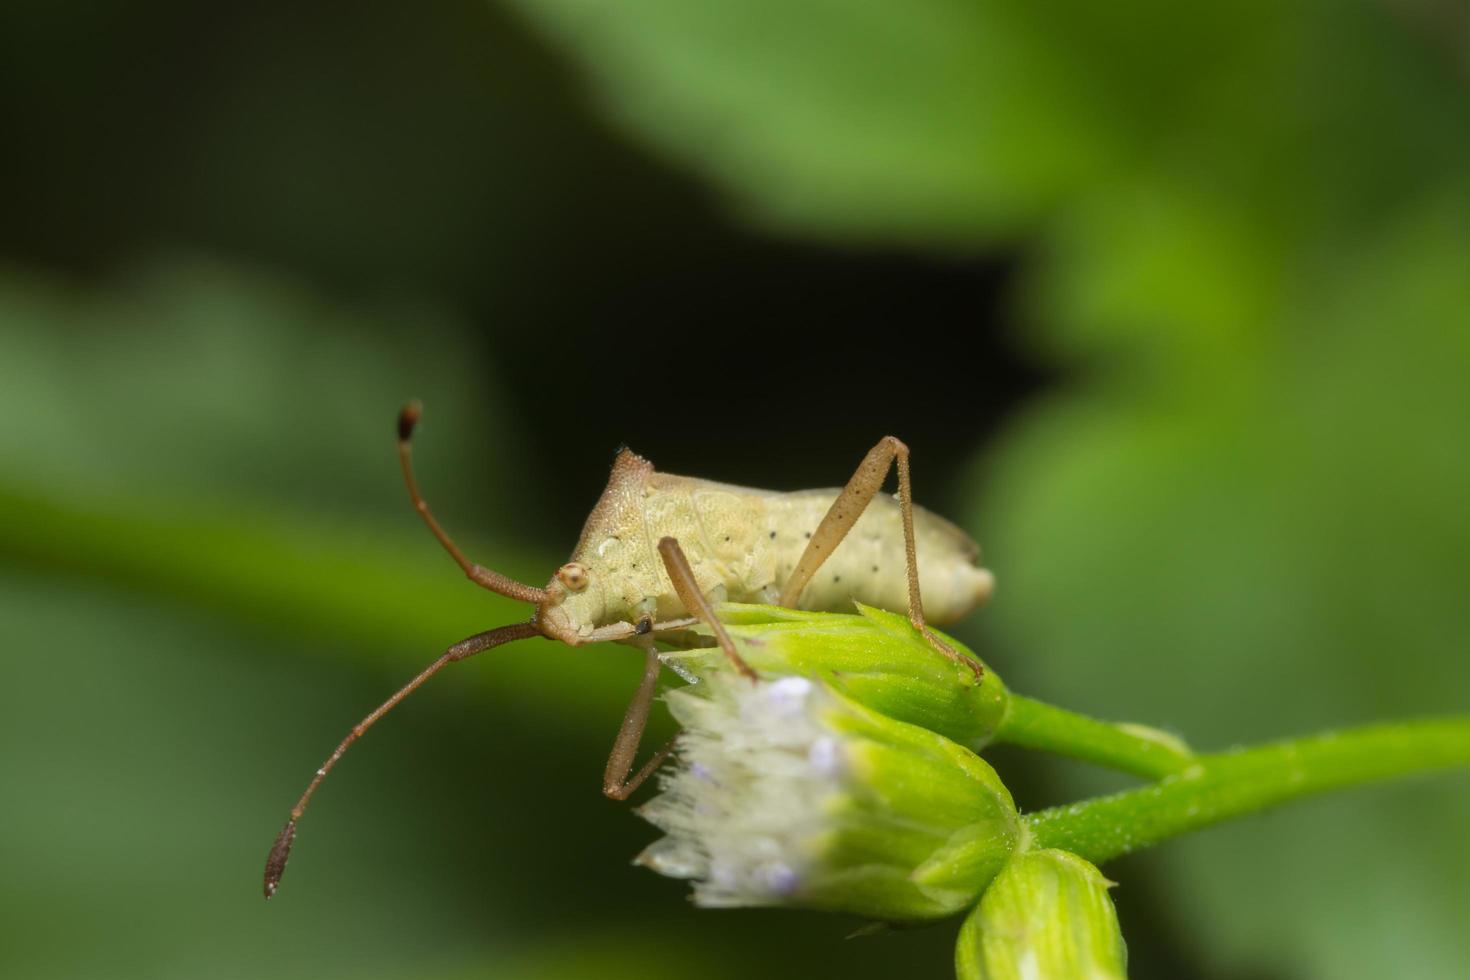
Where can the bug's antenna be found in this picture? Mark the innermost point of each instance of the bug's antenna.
(275, 863)
(479, 574)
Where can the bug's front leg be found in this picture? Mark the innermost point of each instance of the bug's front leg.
(616, 783)
(844, 513)
(615, 780)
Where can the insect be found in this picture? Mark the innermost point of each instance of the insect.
(659, 551)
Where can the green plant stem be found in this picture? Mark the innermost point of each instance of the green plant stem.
(1130, 748)
(1232, 784)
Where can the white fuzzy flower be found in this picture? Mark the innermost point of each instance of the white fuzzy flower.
(745, 811)
(789, 793)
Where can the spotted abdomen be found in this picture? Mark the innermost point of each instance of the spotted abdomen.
(869, 566)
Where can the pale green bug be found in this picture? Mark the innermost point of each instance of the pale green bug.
(658, 549)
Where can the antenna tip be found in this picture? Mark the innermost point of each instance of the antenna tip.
(408, 418)
(275, 863)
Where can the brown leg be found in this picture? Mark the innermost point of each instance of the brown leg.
(844, 513)
(275, 864)
(479, 574)
(615, 781)
(694, 601)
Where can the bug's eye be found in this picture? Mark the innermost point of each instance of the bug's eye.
(573, 575)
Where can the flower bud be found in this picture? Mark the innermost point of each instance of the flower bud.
(789, 793)
(876, 658)
(1047, 914)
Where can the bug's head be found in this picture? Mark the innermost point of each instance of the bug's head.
(573, 605)
(583, 594)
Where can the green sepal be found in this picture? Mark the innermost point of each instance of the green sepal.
(874, 657)
(1047, 914)
(937, 815)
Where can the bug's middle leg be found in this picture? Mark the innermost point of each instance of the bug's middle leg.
(687, 588)
(844, 513)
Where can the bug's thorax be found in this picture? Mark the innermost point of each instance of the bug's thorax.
(619, 576)
(742, 545)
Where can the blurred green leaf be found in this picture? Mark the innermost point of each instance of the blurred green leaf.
(952, 122)
(187, 377)
(936, 119)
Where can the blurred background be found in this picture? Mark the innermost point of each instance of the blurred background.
(1170, 302)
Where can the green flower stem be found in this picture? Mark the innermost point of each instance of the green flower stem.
(1232, 784)
(1132, 748)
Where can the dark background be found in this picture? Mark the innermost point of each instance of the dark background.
(1177, 332)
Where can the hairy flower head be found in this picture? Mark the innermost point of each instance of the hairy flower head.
(788, 792)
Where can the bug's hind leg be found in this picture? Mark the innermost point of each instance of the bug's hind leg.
(616, 783)
(844, 513)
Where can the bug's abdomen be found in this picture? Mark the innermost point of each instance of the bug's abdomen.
(870, 565)
(743, 544)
